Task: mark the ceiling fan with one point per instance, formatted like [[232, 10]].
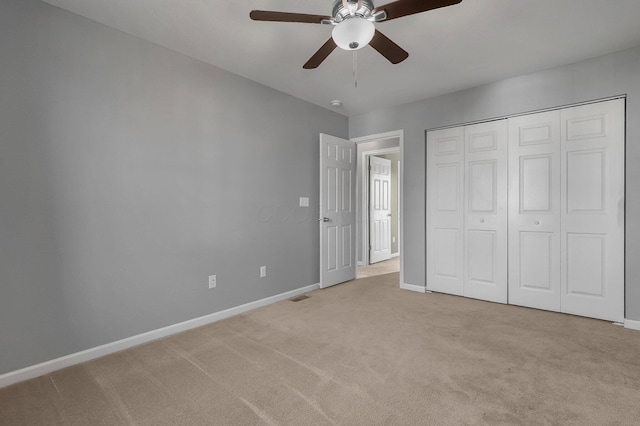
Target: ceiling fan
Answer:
[[353, 25]]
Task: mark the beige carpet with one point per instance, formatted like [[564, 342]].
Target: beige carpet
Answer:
[[361, 353], [379, 268]]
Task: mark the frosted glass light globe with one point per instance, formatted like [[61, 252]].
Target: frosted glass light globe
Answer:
[[353, 33]]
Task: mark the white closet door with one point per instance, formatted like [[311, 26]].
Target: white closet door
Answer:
[[534, 210], [445, 210], [485, 236], [592, 245]]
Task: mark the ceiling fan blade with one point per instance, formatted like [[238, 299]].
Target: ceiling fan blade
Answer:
[[320, 55], [265, 15], [394, 53], [402, 8]]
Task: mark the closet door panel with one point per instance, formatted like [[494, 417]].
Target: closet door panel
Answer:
[[445, 213], [536, 175], [481, 257], [592, 243], [446, 256], [482, 188], [485, 236], [534, 210], [537, 263]]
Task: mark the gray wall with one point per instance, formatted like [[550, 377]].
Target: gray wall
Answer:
[[128, 174], [601, 77]]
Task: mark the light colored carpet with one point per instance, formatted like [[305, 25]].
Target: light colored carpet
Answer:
[[361, 353], [379, 268]]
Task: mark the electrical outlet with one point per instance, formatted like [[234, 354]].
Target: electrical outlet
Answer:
[[304, 201], [212, 281], [263, 271]]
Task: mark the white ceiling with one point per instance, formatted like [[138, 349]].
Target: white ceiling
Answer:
[[457, 47]]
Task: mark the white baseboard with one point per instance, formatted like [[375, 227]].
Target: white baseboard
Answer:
[[413, 287], [632, 324], [109, 348]]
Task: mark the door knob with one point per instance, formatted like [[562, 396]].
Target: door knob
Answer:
[[481, 220], [324, 219], [537, 222]]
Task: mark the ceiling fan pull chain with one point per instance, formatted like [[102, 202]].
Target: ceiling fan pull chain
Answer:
[[355, 68]]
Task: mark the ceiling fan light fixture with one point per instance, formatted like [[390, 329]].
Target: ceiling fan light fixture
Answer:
[[353, 26], [353, 33]]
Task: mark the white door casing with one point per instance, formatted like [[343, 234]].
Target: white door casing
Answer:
[[534, 210], [337, 210], [445, 210], [592, 212], [485, 222], [379, 209]]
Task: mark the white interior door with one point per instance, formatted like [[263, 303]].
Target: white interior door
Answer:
[[445, 210], [534, 210], [592, 243], [485, 236], [337, 210], [379, 209]]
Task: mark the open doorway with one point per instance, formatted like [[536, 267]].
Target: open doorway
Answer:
[[379, 229], [383, 207]]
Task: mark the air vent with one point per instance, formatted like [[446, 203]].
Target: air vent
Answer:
[[299, 298]]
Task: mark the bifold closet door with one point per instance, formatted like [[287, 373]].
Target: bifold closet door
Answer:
[[485, 221], [565, 227], [445, 210], [534, 210], [566, 210], [592, 243], [467, 211]]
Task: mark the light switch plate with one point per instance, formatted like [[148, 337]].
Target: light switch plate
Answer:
[[304, 201]]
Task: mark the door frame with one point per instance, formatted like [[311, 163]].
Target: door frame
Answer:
[[362, 197]]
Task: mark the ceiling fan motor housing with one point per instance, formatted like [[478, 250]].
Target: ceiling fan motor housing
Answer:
[[340, 12]]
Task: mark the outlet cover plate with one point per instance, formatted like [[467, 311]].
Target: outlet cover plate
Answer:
[[212, 281]]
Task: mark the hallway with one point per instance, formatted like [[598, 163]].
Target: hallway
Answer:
[[380, 268]]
